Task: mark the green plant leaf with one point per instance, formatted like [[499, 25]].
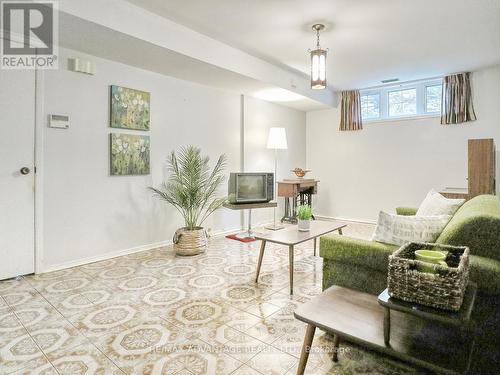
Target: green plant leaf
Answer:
[[191, 186], [304, 212]]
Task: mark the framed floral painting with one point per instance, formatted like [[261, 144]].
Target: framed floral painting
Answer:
[[129, 108], [129, 154]]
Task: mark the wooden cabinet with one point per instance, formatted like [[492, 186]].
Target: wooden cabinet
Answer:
[[481, 167], [455, 193], [481, 171]]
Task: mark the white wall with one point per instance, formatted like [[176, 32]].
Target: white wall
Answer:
[[395, 163], [259, 117], [88, 214]]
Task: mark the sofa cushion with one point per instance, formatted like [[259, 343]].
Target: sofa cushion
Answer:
[[401, 229], [435, 204], [483, 271], [407, 211], [353, 276], [374, 255], [476, 225]]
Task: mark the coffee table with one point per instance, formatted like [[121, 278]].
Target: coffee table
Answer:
[[291, 236]]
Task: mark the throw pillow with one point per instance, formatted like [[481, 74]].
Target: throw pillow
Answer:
[[435, 204], [400, 229]]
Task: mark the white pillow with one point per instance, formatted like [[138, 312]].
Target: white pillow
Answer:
[[400, 229], [435, 204]]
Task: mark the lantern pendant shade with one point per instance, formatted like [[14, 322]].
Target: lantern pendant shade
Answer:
[[318, 69], [318, 61]]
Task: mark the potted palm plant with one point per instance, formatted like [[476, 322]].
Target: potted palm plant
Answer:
[[192, 189], [304, 215]]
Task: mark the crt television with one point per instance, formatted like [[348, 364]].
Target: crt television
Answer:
[[251, 187]]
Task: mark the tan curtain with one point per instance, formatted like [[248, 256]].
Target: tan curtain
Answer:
[[350, 117], [457, 104]]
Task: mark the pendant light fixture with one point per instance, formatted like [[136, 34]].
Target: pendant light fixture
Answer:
[[318, 61]]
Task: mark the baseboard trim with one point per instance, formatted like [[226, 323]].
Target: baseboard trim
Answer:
[[119, 253], [331, 218]]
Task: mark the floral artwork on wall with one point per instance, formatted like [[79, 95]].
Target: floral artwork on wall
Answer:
[[129, 154], [130, 109]]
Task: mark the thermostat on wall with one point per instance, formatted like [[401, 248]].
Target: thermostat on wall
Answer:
[[59, 121]]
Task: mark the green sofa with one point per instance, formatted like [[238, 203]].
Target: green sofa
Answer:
[[362, 264]]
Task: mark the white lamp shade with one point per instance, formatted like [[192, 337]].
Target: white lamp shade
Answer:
[[277, 139]]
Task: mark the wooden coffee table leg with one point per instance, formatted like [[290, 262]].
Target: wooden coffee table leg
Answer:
[[306, 347], [261, 255], [387, 326], [336, 341], [290, 260]]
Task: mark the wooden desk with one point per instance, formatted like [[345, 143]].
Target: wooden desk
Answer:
[[300, 191]]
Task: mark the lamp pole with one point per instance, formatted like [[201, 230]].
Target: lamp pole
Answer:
[[275, 186], [275, 226], [276, 140]]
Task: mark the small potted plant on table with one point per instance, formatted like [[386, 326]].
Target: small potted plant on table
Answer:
[[192, 188], [304, 215]]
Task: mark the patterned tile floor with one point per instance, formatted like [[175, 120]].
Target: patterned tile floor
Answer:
[[154, 313]]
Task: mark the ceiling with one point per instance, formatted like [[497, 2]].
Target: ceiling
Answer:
[[369, 40], [97, 40]]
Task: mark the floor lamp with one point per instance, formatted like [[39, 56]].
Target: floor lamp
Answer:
[[277, 141]]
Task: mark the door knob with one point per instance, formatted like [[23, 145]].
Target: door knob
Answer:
[[25, 170]]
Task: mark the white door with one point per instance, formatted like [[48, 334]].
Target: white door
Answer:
[[17, 139]]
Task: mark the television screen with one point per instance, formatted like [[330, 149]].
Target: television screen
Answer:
[[252, 187]]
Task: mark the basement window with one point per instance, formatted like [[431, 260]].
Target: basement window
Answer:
[[370, 106], [402, 101]]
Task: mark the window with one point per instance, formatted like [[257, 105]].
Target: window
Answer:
[[401, 101], [370, 106], [433, 98]]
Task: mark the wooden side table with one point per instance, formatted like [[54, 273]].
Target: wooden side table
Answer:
[[423, 337], [460, 319]]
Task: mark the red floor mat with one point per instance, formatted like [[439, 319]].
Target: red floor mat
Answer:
[[244, 239]]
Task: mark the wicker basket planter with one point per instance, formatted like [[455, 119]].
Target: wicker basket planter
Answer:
[[444, 289], [190, 242]]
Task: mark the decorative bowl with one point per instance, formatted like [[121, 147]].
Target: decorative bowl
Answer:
[[299, 172]]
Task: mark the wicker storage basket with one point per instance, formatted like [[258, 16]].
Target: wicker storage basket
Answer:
[[444, 289], [190, 242]]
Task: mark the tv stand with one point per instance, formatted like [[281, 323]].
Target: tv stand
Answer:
[[249, 206]]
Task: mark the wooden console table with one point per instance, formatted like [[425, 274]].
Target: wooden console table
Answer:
[[299, 191]]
